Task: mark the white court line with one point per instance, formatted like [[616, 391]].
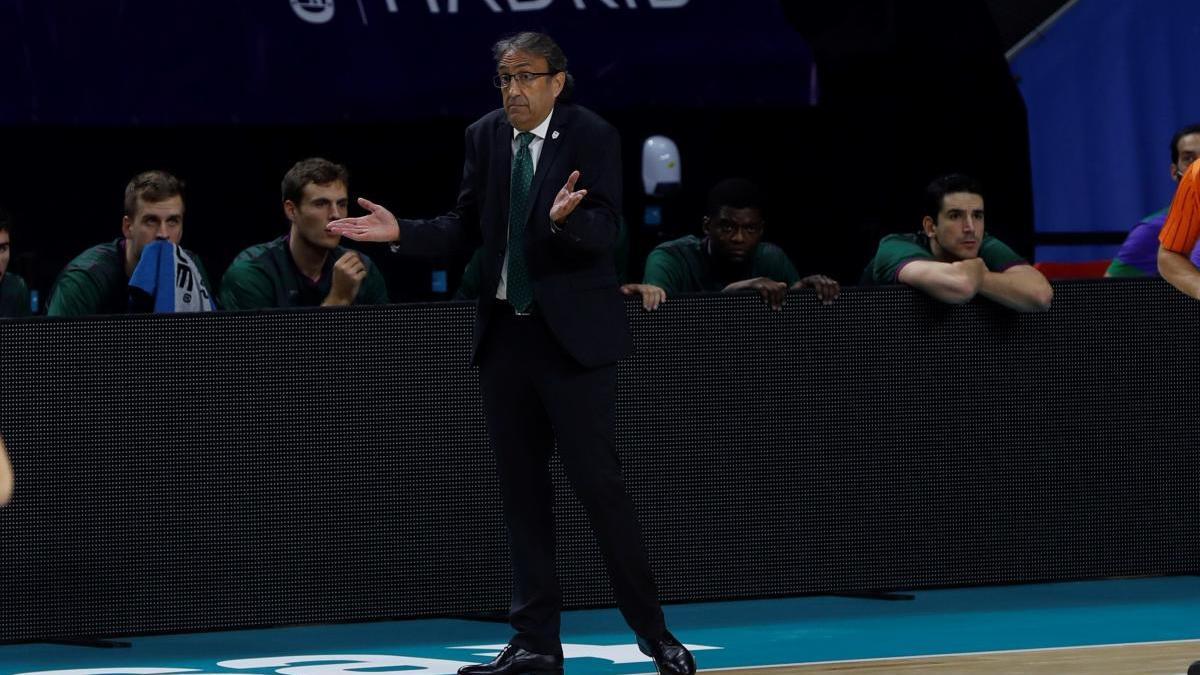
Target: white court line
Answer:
[[941, 656]]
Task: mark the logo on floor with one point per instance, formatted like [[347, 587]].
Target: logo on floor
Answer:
[[361, 664]]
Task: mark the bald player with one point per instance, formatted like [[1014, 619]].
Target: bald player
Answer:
[[1179, 235]]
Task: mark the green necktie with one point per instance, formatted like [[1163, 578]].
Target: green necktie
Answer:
[[517, 286]]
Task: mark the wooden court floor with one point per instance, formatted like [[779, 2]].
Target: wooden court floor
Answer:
[[1161, 658]]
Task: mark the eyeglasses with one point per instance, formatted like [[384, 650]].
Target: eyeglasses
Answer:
[[523, 79]]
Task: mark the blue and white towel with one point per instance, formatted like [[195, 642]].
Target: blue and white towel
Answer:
[[168, 280]]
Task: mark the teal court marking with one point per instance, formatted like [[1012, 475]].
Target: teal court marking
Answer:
[[744, 634]]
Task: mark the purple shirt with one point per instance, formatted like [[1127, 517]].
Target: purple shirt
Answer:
[[1140, 249]]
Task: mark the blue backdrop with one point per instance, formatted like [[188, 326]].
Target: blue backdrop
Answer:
[[122, 62], [1105, 88]]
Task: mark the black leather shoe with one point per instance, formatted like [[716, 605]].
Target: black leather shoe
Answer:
[[670, 657], [516, 661]]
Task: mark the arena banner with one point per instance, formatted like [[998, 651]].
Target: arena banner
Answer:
[[156, 62], [1101, 166]]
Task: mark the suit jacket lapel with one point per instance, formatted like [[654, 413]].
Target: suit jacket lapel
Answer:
[[502, 168], [555, 135]]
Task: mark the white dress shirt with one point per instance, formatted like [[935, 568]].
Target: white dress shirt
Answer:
[[535, 151]]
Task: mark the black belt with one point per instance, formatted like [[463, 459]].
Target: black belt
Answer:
[[507, 308]]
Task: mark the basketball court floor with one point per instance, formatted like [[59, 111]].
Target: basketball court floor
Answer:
[[1134, 626]]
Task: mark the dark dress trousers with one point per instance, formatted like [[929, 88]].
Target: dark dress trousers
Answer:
[[552, 375]]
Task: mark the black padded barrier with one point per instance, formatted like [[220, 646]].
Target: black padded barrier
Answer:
[[181, 473]]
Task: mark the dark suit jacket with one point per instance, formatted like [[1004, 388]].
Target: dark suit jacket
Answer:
[[574, 276]]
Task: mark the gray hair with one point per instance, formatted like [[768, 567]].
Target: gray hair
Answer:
[[538, 44]]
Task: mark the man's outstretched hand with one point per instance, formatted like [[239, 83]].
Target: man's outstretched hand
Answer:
[[566, 200], [378, 225]]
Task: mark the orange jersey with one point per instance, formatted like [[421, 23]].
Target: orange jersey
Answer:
[[1182, 228]]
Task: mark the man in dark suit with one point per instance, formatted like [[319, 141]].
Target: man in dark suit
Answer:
[[550, 329]]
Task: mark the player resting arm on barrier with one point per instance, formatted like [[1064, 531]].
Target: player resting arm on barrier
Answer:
[[953, 260], [731, 257]]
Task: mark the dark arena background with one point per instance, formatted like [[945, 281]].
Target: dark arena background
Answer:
[[815, 101]]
